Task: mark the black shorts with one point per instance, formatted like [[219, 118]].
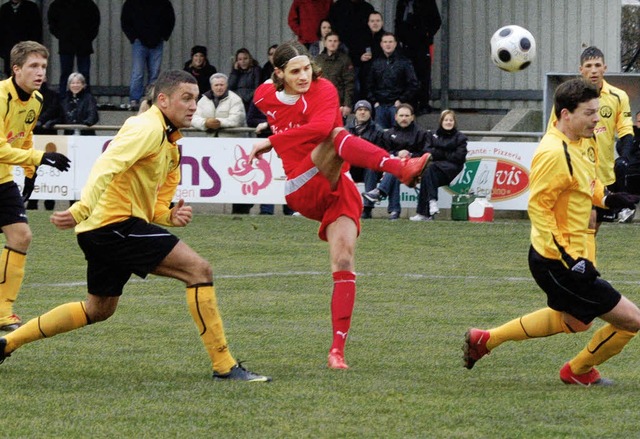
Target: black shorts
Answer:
[[606, 215], [583, 300], [117, 251], [11, 205]]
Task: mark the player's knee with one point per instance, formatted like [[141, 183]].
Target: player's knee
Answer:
[[336, 131], [100, 314], [202, 270], [20, 241]]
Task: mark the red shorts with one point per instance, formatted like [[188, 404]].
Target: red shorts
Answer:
[[310, 195]]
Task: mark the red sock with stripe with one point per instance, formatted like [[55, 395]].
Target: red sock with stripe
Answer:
[[359, 152], [342, 302]]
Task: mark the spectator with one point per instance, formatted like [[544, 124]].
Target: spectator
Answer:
[[267, 68], [147, 99], [403, 140], [391, 81], [75, 24], [627, 170], [364, 126], [79, 107], [417, 22], [147, 24], [317, 47], [218, 107], [200, 68], [337, 68], [20, 20], [370, 49], [448, 149], [50, 115], [304, 18], [245, 76], [349, 20]]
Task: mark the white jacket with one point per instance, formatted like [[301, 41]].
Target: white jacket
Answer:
[[230, 112]]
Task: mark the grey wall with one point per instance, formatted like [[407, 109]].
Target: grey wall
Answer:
[[561, 27]]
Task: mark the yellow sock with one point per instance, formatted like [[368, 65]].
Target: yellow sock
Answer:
[[606, 342], [12, 272], [541, 323], [591, 245], [64, 318], [204, 310]]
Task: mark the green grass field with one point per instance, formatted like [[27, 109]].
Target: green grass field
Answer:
[[144, 373]]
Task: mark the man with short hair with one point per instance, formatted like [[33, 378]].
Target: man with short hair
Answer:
[[391, 82], [563, 187], [20, 106], [219, 107], [131, 186], [337, 67]]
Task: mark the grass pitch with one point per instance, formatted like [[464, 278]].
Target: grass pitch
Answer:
[[144, 373]]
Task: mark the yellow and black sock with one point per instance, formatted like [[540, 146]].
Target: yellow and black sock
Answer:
[[606, 342], [203, 306], [541, 323], [64, 318], [12, 264]]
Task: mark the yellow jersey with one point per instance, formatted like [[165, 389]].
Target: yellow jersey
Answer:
[[16, 132], [563, 186], [615, 121], [136, 176]]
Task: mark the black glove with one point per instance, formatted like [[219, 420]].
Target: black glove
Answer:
[[27, 188], [583, 270], [57, 160], [621, 200]]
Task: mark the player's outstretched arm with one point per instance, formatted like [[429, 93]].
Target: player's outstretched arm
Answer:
[[180, 214], [260, 148], [63, 220]]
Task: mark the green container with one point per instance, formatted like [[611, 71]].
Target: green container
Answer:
[[460, 207]]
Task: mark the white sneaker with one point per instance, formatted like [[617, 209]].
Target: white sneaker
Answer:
[[419, 217], [626, 215], [433, 207]]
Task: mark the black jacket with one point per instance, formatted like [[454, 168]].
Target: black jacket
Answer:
[[150, 21], [417, 29], [51, 113], [411, 138], [81, 109], [391, 78], [369, 131], [349, 20], [202, 75], [24, 24], [448, 150], [75, 24]]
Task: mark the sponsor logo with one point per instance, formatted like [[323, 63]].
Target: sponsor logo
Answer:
[[252, 176], [497, 178]]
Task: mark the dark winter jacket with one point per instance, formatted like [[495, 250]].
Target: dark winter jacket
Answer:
[[75, 24], [391, 78], [150, 21], [244, 83], [369, 131], [411, 138], [23, 24], [202, 75], [418, 27], [448, 150], [81, 109], [349, 20], [51, 113]]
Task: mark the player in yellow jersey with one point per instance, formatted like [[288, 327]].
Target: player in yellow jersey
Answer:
[[130, 187], [563, 188], [20, 105], [615, 122]]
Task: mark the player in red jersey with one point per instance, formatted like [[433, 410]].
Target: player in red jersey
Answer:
[[303, 112]]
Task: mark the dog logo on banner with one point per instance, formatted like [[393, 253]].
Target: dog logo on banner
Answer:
[[253, 177]]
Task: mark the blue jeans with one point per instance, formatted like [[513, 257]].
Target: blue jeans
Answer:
[[144, 58], [391, 186], [385, 115], [66, 68]]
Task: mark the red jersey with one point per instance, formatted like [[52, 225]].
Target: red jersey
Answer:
[[301, 125]]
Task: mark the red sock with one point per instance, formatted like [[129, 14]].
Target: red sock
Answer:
[[342, 301], [359, 152]]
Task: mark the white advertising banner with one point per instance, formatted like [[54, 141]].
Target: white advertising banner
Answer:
[[215, 170]]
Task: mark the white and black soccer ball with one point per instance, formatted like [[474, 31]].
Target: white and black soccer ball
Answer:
[[513, 48]]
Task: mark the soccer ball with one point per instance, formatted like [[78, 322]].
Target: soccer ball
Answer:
[[513, 48]]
